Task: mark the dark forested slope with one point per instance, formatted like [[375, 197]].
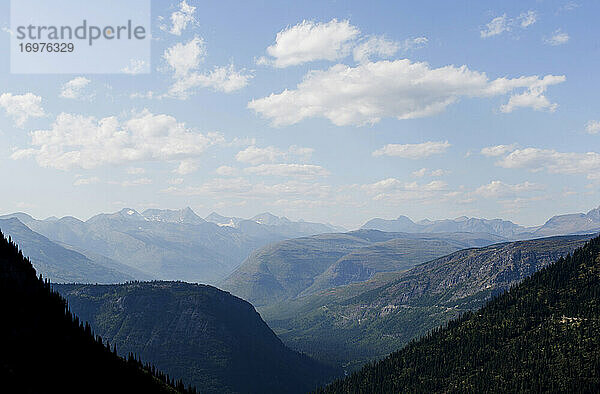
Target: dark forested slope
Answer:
[[205, 336], [45, 350], [541, 336]]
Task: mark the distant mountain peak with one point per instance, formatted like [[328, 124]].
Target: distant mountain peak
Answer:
[[129, 212], [268, 218], [23, 217], [184, 215]]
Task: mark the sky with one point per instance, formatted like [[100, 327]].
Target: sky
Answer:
[[325, 111]]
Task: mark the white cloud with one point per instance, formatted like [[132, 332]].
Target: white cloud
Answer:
[[369, 92], [288, 170], [184, 60], [136, 66], [394, 190], [242, 188], [497, 150], [496, 26], [593, 127], [559, 37], [137, 182], [496, 189], [180, 19], [75, 88], [86, 181], [226, 171], [535, 159], [186, 167], [426, 172], [415, 43], [534, 97], [143, 95], [255, 155], [413, 151], [22, 107], [503, 24], [528, 18], [222, 79], [86, 142], [376, 45], [438, 172], [419, 173], [309, 41]]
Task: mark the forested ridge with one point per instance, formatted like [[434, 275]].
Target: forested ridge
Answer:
[[197, 333], [45, 348], [542, 335]]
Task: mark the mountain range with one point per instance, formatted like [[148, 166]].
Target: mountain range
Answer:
[[300, 266], [579, 223], [62, 265], [350, 325], [180, 245], [541, 336], [164, 244]]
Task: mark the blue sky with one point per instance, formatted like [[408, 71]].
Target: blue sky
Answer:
[[327, 111]]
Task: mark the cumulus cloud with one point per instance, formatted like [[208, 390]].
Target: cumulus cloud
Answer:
[[376, 45], [497, 150], [496, 26], [392, 189], [534, 97], [552, 161], [186, 166], [136, 66], [255, 155], [22, 107], [243, 188], [87, 142], [420, 173], [136, 182], [86, 181], [184, 60], [593, 127], [503, 24], [413, 151], [402, 89], [226, 171], [222, 79], [559, 37], [288, 170], [75, 88], [180, 19], [309, 41], [438, 172], [527, 18], [496, 189]]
